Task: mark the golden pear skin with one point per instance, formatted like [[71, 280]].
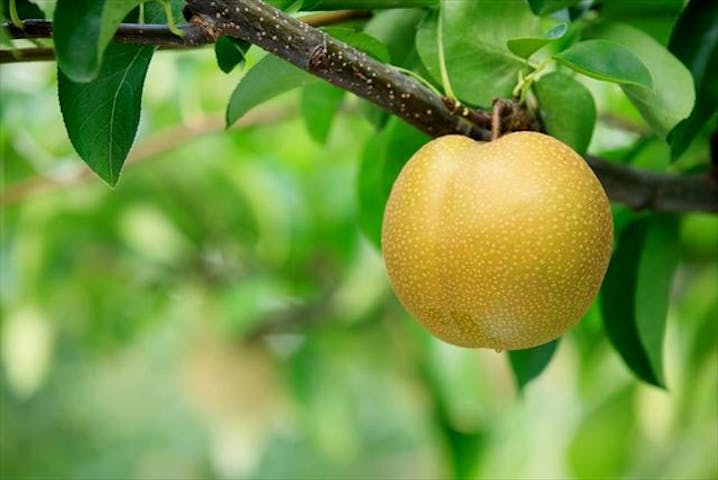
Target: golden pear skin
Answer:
[[500, 245]]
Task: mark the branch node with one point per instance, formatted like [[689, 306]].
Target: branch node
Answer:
[[210, 30], [511, 116], [318, 56]]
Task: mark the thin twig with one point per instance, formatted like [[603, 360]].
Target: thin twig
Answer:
[[150, 147], [619, 123], [147, 34], [27, 55], [161, 36], [141, 34], [332, 18]]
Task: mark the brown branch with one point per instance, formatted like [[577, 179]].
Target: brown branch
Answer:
[[334, 61], [346, 67], [161, 36], [27, 55], [664, 192], [140, 34]]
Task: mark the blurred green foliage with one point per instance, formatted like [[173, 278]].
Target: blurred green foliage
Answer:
[[220, 315]]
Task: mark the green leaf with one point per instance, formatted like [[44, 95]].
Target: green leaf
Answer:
[[606, 60], [528, 364], [371, 4], [5, 38], [362, 41], [542, 7], [695, 42], [25, 9], [371, 188], [82, 29], [450, 376], [282, 4], [319, 105], [375, 115], [654, 17], [673, 95], [384, 156], [655, 274], [635, 293], [567, 109], [270, 77], [101, 116], [618, 302], [230, 52], [525, 47], [310, 4], [396, 29], [480, 65]]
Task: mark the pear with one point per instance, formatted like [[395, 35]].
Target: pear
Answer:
[[499, 245]]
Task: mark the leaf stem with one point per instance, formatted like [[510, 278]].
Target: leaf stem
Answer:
[[418, 77], [171, 25], [448, 91], [14, 17], [524, 83], [141, 19]]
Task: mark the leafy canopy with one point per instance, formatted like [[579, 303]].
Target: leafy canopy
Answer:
[[560, 56]]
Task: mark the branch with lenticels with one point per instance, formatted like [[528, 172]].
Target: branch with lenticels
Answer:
[[312, 50], [160, 35], [342, 65], [336, 62]]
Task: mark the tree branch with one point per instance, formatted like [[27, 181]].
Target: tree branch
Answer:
[[145, 34], [346, 67], [161, 36], [336, 62], [664, 192], [27, 55]]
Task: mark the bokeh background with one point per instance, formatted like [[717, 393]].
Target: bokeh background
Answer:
[[220, 315]]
